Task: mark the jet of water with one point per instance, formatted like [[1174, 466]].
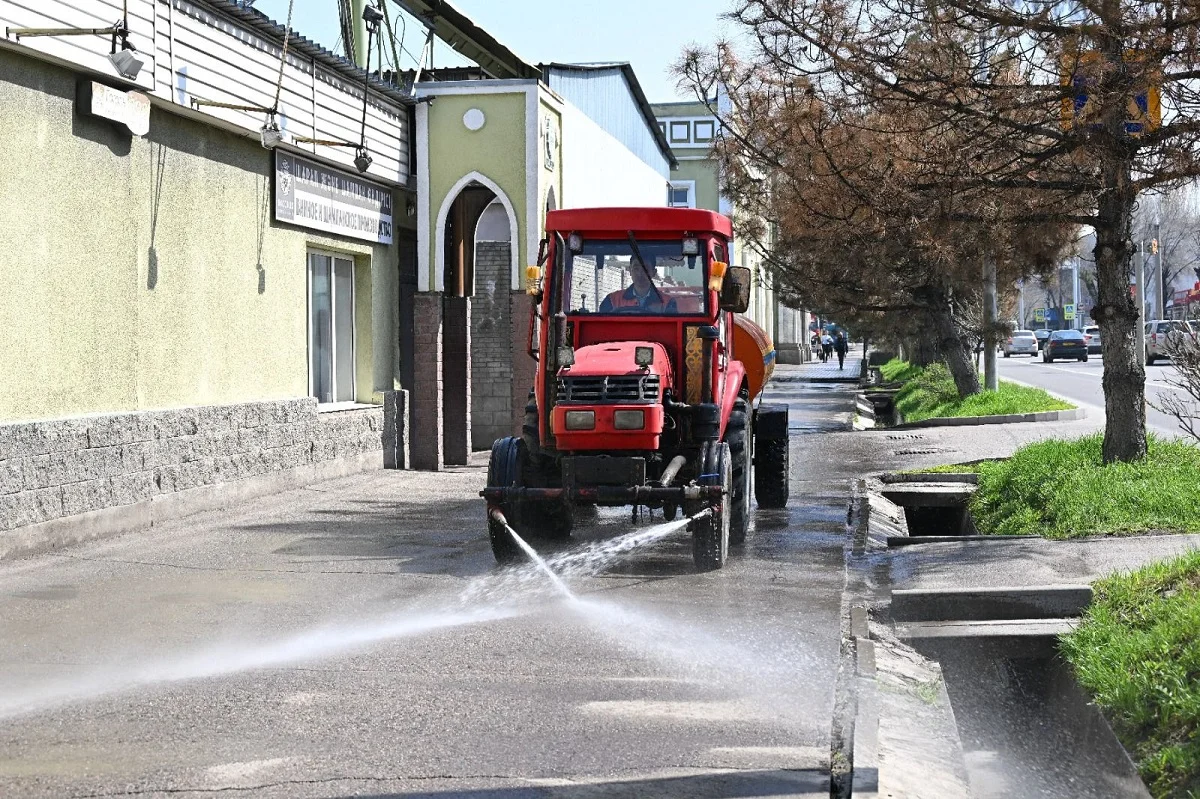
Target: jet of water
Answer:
[[541, 564]]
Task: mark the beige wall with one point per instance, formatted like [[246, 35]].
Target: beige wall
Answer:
[[131, 265]]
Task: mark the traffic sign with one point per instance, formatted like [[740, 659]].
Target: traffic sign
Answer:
[[1068, 312], [1050, 314], [1039, 314]]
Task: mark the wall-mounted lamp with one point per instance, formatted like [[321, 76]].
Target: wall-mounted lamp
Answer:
[[271, 135], [362, 161], [124, 60]]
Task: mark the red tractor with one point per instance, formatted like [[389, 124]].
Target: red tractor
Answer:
[[646, 384]]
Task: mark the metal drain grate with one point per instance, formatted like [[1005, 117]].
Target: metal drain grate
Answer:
[[922, 451], [906, 437]]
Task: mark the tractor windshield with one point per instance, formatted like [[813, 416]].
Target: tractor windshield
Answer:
[[608, 277]]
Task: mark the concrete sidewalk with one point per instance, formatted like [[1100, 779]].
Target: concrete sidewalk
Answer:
[[827, 372]]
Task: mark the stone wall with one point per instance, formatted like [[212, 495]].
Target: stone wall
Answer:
[[55, 469], [491, 350], [426, 395]]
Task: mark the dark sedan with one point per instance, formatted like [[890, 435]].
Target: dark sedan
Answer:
[[1065, 344]]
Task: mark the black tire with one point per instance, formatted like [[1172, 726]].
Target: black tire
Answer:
[[710, 535], [1149, 358], [771, 467], [505, 470], [739, 458], [510, 465], [1006, 354], [1083, 359], [550, 521]]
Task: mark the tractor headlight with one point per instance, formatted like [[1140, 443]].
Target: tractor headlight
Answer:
[[581, 420], [629, 420]]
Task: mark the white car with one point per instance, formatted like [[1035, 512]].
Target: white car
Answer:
[[1091, 335], [1159, 332], [1020, 342]]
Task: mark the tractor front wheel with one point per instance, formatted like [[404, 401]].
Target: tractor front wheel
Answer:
[[511, 466], [710, 535]]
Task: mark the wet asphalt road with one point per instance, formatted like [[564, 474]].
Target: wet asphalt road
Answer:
[[356, 639], [1081, 384]]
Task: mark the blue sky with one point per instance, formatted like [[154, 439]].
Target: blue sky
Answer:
[[650, 34]]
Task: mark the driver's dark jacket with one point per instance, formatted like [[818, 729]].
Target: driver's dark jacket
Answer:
[[629, 299]]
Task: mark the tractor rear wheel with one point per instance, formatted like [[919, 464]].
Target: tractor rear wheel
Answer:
[[710, 535], [739, 457]]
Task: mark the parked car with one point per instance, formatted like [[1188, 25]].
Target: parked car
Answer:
[[1021, 342], [1091, 335], [1065, 344], [1041, 336], [1161, 335]]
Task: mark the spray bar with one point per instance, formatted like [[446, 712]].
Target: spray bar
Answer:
[[625, 494]]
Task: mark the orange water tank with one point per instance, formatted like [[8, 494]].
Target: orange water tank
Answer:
[[752, 346]]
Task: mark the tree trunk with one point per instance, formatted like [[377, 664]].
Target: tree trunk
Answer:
[[954, 348], [1118, 317]]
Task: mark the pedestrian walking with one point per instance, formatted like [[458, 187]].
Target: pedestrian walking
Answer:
[[841, 345], [826, 346]]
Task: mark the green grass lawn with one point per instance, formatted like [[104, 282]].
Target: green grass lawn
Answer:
[[1137, 651], [1062, 489], [929, 393]]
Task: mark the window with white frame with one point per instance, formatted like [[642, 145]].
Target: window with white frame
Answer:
[[681, 194], [330, 327]]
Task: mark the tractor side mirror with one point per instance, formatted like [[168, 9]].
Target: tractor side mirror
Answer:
[[735, 291]]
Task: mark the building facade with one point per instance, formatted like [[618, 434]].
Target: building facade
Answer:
[[691, 130], [187, 307]]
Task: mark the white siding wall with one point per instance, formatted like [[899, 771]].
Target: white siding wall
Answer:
[[192, 53], [598, 170]]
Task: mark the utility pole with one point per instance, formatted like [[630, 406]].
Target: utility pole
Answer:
[[360, 33], [1139, 292], [1074, 290], [1160, 305], [1021, 304], [990, 380]]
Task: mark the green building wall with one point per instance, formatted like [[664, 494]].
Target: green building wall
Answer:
[[146, 273]]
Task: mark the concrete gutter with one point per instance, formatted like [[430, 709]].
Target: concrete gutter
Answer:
[[1008, 418], [990, 604], [894, 732]]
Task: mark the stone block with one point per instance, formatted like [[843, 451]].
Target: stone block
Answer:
[[30, 507], [93, 464], [115, 429], [86, 496], [126, 489], [46, 471], [216, 418], [174, 423], [12, 475]]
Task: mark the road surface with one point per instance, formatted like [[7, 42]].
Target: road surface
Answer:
[[1081, 383], [356, 638]]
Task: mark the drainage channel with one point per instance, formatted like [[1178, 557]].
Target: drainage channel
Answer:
[[1025, 726]]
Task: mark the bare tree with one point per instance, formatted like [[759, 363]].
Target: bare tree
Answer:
[[1048, 96], [1184, 405]]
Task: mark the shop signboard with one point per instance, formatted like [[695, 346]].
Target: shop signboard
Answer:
[[319, 197]]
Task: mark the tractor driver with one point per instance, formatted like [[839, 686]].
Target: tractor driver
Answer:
[[642, 296]]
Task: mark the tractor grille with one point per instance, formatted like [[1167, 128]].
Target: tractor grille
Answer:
[[612, 389]]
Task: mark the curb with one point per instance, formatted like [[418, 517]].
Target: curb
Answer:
[[1008, 418]]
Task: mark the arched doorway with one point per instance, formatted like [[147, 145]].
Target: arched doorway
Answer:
[[475, 275]]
